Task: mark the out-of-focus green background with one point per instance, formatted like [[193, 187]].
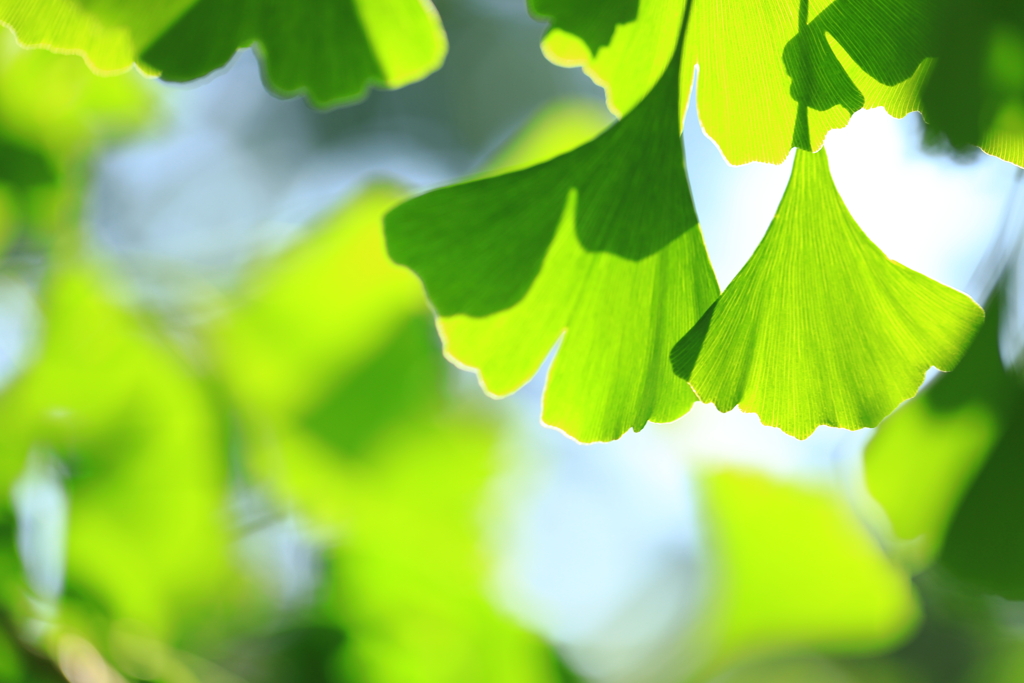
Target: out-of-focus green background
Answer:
[[234, 451]]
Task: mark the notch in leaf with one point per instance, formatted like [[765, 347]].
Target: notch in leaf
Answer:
[[886, 38], [601, 244], [820, 328], [592, 20]]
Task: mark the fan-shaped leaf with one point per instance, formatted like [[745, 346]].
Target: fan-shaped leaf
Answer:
[[820, 328], [620, 267]]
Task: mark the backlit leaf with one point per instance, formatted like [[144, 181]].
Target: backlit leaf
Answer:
[[599, 247], [820, 328]]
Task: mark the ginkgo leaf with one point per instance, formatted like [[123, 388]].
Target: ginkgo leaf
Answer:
[[842, 595], [601, 244], [331, 50], [593, 21], [820, 328]]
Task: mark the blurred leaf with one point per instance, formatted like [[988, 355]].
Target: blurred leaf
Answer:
[[598, 247], [820, 328], [594, 22], [306, 653], [976, 90], [407, 571], [395, 385], [985, 543], [924, 457], [279, 351], [330, 50], [23, 166], [98, 31], [788, 671], [795, 570], [56, 104], [147, 529], [412, 578]]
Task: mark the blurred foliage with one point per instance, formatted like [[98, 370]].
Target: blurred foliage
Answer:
[[967, 427], [313, 409]]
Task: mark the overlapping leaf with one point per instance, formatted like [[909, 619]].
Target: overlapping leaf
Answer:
[[594, 22], [331, 50], [820, 327], [946, 467], [759, 61], [599, 247]]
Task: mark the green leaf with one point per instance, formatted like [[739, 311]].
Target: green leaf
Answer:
[[22, 166], [599, 247], [594, 22], [302, 355], [820, 328], [54, 115], [330, 50], [795, 570]]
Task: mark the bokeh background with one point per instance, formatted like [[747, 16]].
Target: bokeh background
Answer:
[[235, 452]]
